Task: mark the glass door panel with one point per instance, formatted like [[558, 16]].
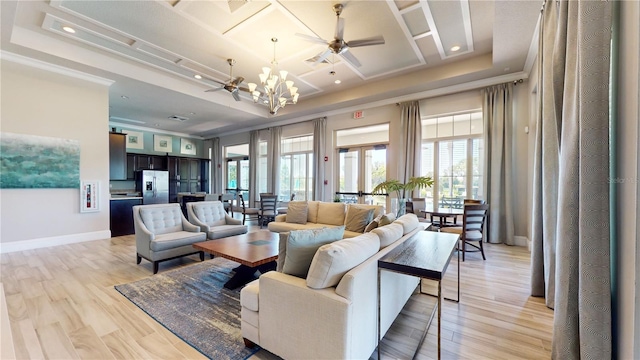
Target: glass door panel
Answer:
[[361, 169]]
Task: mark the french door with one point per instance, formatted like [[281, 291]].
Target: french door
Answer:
[[237, 176], [360, 169]]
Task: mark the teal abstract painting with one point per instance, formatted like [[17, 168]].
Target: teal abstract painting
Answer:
[[29, 161]]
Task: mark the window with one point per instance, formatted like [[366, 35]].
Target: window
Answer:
[[296, 168], [453, 155]]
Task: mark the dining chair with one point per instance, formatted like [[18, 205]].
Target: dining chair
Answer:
[[472, 230], [228, 200], [267, 211], [248, 213]]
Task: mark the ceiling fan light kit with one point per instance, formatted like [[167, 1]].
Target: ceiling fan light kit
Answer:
[[277, 91]]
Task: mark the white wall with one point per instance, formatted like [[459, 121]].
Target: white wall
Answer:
[[628, 181], [40, 102]]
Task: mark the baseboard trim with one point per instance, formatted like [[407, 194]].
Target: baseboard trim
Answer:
[[521, 241], [53, 241]]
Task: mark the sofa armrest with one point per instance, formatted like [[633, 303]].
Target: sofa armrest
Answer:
[[288, 307], [187, 226], [231, 221], [281, 218]]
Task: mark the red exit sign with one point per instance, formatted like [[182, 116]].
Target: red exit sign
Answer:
[[358, 114]]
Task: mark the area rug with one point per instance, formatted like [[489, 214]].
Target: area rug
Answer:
[[193, 304]]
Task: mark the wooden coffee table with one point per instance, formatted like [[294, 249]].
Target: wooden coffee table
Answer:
[[255, 251]]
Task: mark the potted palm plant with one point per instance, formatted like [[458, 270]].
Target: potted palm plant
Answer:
[[402, 190]]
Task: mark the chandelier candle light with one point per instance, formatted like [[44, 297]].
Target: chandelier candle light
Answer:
[[278, 91]]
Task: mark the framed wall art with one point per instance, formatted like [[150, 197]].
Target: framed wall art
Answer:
[[162, 143], [135, 140], [89, 191], [187, 147], [36, 162]]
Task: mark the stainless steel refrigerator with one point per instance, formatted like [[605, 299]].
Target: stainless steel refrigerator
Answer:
[[153, 185]]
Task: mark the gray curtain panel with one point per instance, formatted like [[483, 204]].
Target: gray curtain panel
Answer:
[[254, 155], [497, 110], [572, 145], [216, 167], [319, 152], [273, 160], [411, 149]]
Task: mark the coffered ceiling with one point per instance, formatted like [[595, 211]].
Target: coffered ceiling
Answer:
[[153, 50]]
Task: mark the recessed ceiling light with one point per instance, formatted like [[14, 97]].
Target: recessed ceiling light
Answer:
[[455, 48], [337, 81], [192, 113], [156, 125], [125, 97], [69, 29], [197, 76]]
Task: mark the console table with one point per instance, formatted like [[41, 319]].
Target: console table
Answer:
[[426, 255]]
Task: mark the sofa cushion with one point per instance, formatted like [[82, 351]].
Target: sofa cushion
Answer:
[[209, 212], [217, 232], [303, 244], [378, 210], [162, 220], [333, 260], [297, 212], [282, 226], [357, 218], [312, 211], [388, 234], [176, 239], [387, 219], [408, 222]]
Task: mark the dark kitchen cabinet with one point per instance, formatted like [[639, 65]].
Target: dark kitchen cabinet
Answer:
[[121, 216], [117, 156], [137, 162]]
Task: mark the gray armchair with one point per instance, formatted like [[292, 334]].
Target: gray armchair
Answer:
[[213, 220], [163, 233]]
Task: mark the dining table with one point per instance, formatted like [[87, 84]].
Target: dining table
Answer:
[[443, 214]]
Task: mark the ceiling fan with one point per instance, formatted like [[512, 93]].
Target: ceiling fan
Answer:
[[338, 45], [232, 85]]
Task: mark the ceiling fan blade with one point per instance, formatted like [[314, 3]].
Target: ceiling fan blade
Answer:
[[244, 89], [378, 40], [347, 55], [236, 95], [322, 56], [238, 80], [214, 89], [339, 28], [312, 39]]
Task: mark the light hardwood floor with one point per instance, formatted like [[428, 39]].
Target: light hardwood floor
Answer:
[[62, 305]]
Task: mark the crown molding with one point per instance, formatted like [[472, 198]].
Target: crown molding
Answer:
[[42, 65]]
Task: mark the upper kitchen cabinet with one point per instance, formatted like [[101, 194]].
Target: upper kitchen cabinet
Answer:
[[117, 156]]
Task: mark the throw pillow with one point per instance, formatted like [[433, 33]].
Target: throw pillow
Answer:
[[282, 250], [388, 234], [372, 225], [297, 212], [386, 219], [357, 218], [331, 213], [333, 260], [303, 244]]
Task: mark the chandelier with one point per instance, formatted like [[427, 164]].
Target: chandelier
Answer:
[[276, 91]]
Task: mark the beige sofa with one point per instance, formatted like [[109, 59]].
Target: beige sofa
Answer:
[[332, 314], [324, 214]]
